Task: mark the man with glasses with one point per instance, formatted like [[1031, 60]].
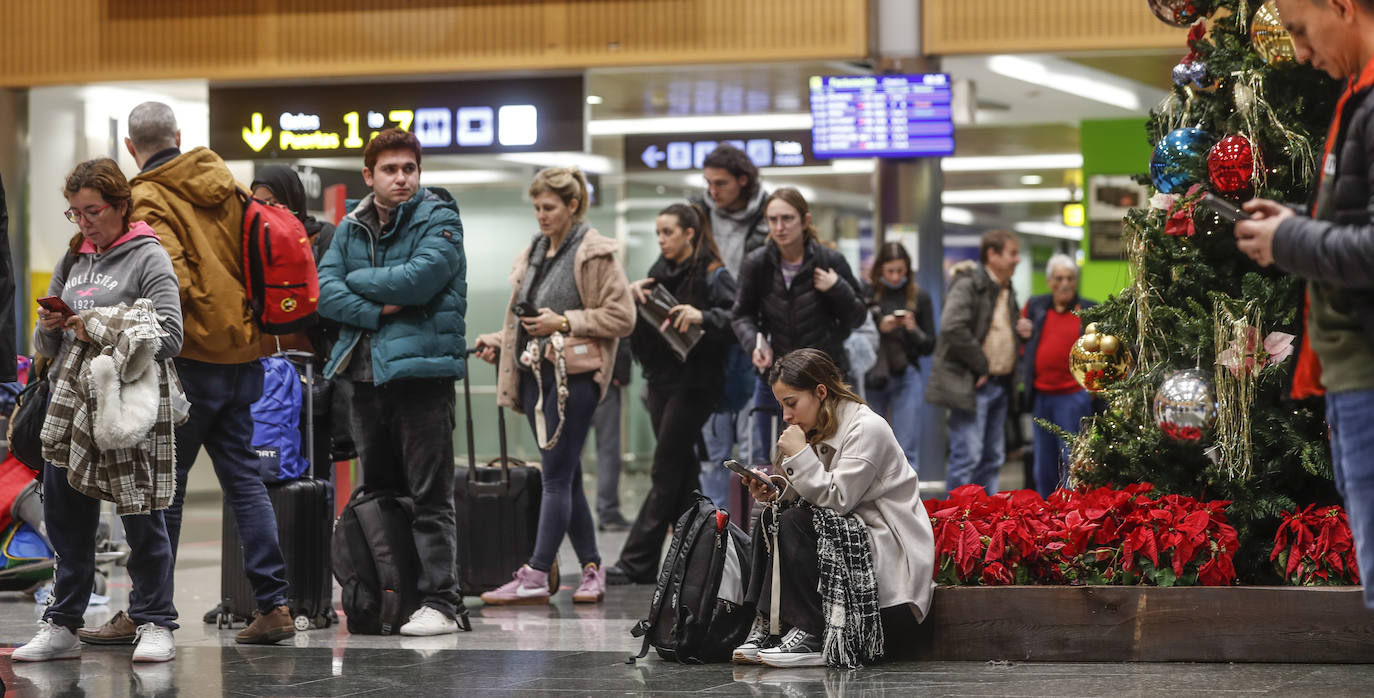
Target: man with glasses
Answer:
[[191, 200]]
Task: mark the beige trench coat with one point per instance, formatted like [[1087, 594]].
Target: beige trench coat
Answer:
[[862, 469]]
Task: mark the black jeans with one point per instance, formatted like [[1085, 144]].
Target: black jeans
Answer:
[[678, 413], [404, 432], [221, 395], [72, 519], [564, 509], [800, 604]]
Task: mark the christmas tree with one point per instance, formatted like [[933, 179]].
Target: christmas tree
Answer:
[[1195, 358]]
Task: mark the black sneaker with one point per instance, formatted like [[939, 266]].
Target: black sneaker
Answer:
[[616, 576], [758, 639], [613, 524], [798, 648]]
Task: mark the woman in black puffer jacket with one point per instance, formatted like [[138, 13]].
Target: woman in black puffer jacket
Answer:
[[794, 293], [682, 393]]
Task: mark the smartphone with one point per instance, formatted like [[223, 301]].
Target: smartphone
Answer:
[[749, 473], [1224, 208], [899, 313], [53, 304], [525, 309]]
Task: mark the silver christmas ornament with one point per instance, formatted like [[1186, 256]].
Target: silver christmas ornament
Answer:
[[1185, 405]]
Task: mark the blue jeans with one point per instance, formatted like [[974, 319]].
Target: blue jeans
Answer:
[[767, 424], [1051, 455], [220, 396], [72, 520], [1350, 415], [720, 435], [564, 509], [977, 440], [902, 403]]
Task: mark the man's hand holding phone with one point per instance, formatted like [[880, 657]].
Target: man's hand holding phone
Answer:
[[1255, 235]]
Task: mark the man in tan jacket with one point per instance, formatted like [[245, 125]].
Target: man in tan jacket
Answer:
[[190, 199]]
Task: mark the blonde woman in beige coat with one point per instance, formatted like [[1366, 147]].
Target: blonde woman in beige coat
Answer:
[[568, 290], [839, 455]]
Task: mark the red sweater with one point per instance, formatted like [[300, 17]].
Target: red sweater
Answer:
[[1057, 336]]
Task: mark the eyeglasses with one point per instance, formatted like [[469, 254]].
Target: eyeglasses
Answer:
[[74, 214]]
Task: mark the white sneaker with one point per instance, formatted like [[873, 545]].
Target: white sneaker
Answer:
[[429, 621], [52, 642], [153, 644], [748, 653]]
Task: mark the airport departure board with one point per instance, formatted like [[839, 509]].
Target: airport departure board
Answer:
[[892, 116]]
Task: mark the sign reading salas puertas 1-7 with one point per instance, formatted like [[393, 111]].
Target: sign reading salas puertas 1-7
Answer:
[[472, 116]]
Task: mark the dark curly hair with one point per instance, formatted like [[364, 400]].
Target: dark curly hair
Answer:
[[735, 161]]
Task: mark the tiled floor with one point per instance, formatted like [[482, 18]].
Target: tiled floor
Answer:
[[563, 650]]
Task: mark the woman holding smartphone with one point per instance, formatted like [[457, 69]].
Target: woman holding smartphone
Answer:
[[906, 330], [842, 471], [109, 261], [570, 304]]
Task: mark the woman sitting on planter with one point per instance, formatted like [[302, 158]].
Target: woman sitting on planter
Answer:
[[852, 533]]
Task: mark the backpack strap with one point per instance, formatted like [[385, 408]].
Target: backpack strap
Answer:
[[369, 513]]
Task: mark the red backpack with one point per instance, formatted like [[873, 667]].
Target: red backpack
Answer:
[[278, 268]]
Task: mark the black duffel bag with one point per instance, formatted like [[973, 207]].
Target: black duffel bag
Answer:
[[26, 423]]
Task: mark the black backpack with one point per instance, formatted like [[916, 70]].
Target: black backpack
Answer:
[[375, 561], [689, 621]]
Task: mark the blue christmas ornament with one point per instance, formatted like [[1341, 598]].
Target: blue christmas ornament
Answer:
[[1182, 74], [1197, 74], [1181, 150]]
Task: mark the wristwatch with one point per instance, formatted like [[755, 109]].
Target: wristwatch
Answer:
[[565, 328]]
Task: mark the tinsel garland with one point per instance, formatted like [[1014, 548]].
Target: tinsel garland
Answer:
[[1235, 371]]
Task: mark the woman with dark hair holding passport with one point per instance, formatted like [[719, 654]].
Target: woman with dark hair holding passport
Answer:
[[846, 521], [682, 391]]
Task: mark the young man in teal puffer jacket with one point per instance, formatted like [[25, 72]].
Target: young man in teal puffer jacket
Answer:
[[395, 278]]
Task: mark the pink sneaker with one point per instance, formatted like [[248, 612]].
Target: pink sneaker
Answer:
[[527, 586], [593, 587]]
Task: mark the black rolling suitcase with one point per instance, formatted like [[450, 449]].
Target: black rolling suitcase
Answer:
[[305, 519], [497, 512]]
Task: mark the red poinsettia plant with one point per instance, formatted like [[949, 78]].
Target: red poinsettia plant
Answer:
[[1097, 536], [1313, 547]]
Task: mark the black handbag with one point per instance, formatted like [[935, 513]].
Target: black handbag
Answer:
[[26, 424]]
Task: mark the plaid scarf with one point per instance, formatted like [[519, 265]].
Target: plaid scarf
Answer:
[[849, 590], [137, 477]]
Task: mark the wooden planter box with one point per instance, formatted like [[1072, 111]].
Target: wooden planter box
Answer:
[[1142, 624]]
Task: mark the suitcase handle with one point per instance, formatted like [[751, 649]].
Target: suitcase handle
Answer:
[[475, 487]]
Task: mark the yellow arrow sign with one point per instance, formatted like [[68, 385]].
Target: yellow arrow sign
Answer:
[[257, 137]]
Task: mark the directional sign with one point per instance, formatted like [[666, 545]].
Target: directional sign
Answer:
[[475, 116], [685, 151]]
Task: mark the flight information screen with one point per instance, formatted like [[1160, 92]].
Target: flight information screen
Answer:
[[891, 116]]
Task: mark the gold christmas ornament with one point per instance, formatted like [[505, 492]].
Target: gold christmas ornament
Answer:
[[1109, 344], [1093, 366], [1272, 42]]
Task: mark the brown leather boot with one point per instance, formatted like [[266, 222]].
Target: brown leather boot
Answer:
[[268, 628], [119, 630]]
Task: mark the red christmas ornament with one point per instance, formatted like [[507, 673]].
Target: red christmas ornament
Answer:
[[1230, 164]]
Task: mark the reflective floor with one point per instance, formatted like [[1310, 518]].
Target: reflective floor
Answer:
[[558, 649]]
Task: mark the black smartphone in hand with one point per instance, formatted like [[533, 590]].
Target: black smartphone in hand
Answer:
[[1224, 208]]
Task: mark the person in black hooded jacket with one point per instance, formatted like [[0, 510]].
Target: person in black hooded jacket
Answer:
[[794, 293], [279, 184], [682, 392]]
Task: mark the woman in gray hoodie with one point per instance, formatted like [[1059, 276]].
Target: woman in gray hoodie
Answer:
[[110, 261]]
